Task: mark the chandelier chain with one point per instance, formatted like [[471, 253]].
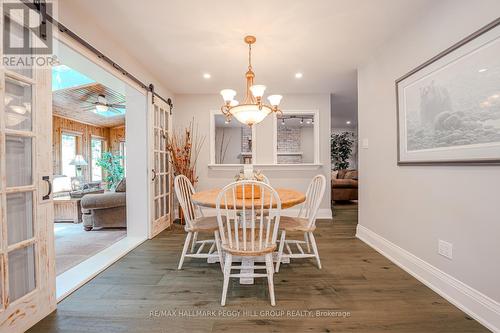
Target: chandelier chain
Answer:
[[249, 56]]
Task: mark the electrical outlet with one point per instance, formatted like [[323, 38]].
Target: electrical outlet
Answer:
[[445, 249]]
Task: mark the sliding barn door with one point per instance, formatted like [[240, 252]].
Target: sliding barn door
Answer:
[[27, 278], [160, 122]]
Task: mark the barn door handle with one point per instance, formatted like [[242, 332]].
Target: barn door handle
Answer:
[[154, 175], [47, 179]]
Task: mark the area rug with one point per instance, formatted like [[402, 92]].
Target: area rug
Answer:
[[74, 245]]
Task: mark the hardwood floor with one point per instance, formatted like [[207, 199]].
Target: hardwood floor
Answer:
[[364, 292]]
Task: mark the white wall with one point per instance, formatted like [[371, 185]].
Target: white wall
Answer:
[[136, 163], [414, 206], [199, 106]]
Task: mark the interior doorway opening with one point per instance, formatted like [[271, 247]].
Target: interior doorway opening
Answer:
[[344, 157], [93, 176]]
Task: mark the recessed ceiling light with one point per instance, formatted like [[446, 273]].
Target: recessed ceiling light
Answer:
[[299, 75], [348, 122], [207, 76], [482, 70]]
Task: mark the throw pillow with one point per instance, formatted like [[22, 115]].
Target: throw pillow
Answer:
[[351, 174]]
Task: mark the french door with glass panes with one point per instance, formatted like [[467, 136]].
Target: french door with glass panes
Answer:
[[161, 171], [27, 270]]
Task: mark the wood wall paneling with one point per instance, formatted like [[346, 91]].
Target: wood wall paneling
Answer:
[[85, 133], [116, 135]]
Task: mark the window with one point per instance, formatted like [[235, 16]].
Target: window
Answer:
[[68, 153], [231, 142], [288, 138], [297, 138], [123, 154], [96, 149]]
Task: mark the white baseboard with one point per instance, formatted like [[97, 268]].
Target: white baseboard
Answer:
[[477, 305], [323, 213]]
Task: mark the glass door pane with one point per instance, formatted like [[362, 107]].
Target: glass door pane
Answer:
[[2, 276], [19, 217], [18, 160], [17, 35], [22, 275], [17, 105]]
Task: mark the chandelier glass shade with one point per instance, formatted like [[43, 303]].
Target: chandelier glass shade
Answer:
[[252, 110]]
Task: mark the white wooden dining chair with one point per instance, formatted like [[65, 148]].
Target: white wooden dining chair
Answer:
[[247, 231], [196, 223], [305, 222]]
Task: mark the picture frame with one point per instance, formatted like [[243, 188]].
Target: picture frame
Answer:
[[448, 108]]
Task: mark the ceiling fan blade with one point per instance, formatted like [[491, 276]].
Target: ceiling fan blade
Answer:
[[87, 108], [115, 110], [116, 106]]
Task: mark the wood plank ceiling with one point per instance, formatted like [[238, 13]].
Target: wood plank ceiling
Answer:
[[77, 103]]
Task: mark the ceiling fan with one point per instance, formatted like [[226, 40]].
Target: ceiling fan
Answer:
[[102, 105]]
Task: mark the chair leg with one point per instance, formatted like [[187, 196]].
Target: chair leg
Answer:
[[185, 249], [315, 248], [227, 272], [270, 273], [280, 251], [219, 250], [193, 244], [306, 239]]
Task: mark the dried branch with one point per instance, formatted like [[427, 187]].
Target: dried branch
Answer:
[[184, 148]]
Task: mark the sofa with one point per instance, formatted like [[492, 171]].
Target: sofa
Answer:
[[344, 185], [62, 186], [106, 210]]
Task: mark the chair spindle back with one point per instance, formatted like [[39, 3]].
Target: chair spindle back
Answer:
[[252, 224], [314, 195]]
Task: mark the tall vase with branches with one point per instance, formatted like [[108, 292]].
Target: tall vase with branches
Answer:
[[184, 148]]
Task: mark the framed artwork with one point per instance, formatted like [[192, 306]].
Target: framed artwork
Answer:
[[448, 108]]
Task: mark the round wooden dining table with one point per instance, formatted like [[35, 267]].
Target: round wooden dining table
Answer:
[[288, 197]]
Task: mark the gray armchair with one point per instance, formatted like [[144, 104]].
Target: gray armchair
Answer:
[[106, 210]]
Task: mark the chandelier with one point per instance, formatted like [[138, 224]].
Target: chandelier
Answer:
[[251, 111]]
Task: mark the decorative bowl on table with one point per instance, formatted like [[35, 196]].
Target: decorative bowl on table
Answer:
[[247, 193]]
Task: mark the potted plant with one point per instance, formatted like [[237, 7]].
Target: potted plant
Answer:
[[341, 149], [113, 168]]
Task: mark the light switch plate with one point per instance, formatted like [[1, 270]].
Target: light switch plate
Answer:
[[364, 143]]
